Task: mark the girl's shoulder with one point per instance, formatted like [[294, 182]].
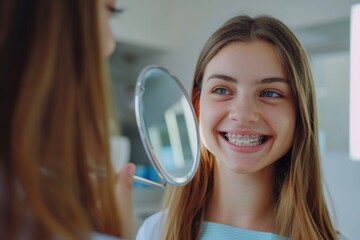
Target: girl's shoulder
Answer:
[[152, 227]]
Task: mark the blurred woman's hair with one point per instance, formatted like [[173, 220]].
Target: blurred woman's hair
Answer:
[[54, 115]]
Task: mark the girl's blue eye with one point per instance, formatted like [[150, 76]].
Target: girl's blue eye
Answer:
[[222, 91], [270, 94]]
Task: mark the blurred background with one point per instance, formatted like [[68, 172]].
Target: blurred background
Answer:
[[171, 33]]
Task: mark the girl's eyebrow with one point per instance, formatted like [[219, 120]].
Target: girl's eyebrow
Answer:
[[260, 81], [274, 79], [222, 76]]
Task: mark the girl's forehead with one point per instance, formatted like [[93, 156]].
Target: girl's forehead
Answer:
[[255, 59]]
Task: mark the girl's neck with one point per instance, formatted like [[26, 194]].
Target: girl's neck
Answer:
[[242, 200]]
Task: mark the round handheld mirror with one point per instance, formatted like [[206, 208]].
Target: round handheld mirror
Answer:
[[167, 125]]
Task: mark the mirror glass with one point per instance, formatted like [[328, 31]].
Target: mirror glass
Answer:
[[167, 125]]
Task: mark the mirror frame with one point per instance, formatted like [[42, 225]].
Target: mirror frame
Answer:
[[163, 174]]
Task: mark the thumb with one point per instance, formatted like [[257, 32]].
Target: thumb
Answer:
[[124, 198], [126, 175]]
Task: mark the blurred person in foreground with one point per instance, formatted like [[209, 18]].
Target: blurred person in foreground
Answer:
[[56, 177]]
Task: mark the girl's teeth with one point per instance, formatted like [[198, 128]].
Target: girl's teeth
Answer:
[[245, 140]]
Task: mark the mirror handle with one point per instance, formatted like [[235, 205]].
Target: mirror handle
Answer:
[[149, 182]]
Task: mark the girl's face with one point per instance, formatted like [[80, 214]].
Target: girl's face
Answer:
[[247, 111]]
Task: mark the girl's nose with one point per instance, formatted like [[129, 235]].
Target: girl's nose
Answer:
[[244, 111]]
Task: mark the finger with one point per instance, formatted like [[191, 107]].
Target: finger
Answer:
[[124, 195], [126, 175]]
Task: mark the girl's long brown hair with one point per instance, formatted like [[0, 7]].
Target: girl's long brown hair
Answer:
[[301, 211], [54, 116]]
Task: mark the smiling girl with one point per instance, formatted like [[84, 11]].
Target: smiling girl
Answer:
[[260, 175]]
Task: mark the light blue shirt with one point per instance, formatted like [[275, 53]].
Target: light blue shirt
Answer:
[[152, 229], [215, 231]]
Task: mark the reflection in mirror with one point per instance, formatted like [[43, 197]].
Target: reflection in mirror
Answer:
[[167, 126]]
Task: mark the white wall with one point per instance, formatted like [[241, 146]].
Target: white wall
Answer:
[[169, 23], [332, 79], [143, 22], [342, 177]]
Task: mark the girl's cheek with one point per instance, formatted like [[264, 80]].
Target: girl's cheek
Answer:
[[107, 38], [212, 112], [108, 41]]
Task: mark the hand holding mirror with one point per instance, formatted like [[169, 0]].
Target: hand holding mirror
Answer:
[[167, 126]]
